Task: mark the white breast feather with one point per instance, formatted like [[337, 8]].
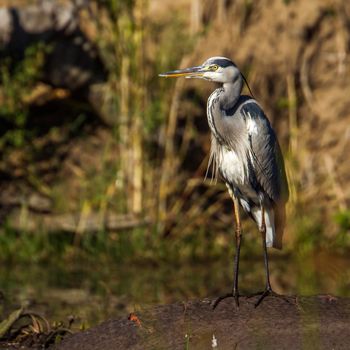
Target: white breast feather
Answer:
[[231, 167], [235, 172]]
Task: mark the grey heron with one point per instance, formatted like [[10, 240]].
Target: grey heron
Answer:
[[246, 154]]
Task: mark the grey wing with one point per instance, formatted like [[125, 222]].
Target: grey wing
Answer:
[[265, 153]]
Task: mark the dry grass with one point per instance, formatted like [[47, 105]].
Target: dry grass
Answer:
[[295, 55]]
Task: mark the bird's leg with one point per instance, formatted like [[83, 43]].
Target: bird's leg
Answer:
[[262, 230], [238, 235], [268, 289]]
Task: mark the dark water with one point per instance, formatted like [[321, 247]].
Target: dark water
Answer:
[[95, 292]]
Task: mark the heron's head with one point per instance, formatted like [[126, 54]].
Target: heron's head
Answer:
[[218, 69]]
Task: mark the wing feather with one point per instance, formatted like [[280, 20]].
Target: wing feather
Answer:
[[265, 152]]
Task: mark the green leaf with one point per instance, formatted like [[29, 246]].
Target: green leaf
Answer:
[[6, 324]]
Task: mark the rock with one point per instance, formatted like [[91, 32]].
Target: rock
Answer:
[[320, 322]]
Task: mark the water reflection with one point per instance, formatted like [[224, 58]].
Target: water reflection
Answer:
[[100, 291]]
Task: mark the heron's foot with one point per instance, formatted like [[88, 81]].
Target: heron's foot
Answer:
[[267, 292], [234, 295]]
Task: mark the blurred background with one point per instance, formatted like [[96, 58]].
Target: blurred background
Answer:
[[103, 203]]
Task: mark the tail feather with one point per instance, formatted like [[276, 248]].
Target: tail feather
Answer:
[[274, 221]]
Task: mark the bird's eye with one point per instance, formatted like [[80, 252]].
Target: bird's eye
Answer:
[[214, 67]]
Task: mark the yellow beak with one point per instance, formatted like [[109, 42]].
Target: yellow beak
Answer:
[[191, 72]]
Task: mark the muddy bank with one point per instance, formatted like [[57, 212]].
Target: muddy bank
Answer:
[[301, 323]]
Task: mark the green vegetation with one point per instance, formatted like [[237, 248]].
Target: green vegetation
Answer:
[[17, 82], [341, 241]]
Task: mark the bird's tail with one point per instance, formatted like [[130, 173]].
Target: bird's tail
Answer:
[[274, 222]]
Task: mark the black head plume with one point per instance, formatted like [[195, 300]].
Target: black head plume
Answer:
[[245, 80]]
